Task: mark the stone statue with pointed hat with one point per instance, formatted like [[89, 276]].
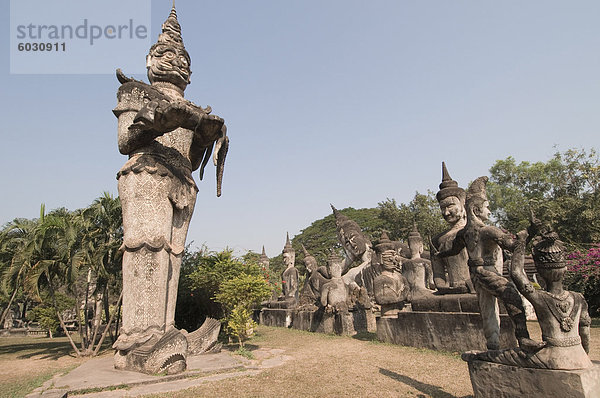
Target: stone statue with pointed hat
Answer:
[[390, 288], [166, 137], [562, 315], [417, 270], [334, 293], [263, 260], [289, 276], [310, 295], [451, 274], [484, 244]]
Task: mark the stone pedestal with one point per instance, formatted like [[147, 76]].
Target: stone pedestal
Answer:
[[504, 381], [318, 321], [448, 331], [276, 317]]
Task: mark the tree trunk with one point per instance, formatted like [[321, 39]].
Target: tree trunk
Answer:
[[117, 311], [5, 312], [62, 324]]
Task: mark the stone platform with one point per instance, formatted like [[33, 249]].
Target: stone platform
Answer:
[[318, 321], [448, 331], [98, 378], [504, 381]]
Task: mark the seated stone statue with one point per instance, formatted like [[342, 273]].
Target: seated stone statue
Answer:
[[289, 280], [391, 289], [334, 293], [417, 270], [310, 295], [562, 315]]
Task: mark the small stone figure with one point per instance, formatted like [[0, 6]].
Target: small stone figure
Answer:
[[484, 246], [451, 274], [417, 270], [334, 293], [263, 261], [562, 315], [310, 295], [391, 289], [289, 276], [166, 138]]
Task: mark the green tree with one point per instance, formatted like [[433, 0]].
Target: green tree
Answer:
[[239, 296], [563, 191], [422, 209], [321, 236]]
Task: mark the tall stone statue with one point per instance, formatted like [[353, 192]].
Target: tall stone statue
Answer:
[[289, 277], [562, 315], [484, 244], [166, 138], [451, 274], [417, 270]]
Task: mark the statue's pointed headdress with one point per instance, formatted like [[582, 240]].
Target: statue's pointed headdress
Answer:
[[288, 245], [449, 187], [170, 38], [548, 250], [384, 243], [414, 234], [477, 189]]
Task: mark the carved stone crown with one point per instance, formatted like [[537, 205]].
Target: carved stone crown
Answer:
[[414, 235], [171, 35], [449, 187], [477, 189], [548, 250], [384, 243], [333, 258], [288, 246]]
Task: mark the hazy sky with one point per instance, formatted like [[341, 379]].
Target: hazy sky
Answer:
[[339, 101]]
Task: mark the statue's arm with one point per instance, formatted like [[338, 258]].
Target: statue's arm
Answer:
[[584, 326], [505, 240], [457, 245], [517, 269]]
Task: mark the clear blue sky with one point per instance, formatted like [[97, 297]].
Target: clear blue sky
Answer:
[[340, 101]]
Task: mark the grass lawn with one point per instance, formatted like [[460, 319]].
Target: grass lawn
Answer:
[[322, 365], [26, 362]]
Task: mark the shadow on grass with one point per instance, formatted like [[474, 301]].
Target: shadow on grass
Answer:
[[427, 389], [46, 350]]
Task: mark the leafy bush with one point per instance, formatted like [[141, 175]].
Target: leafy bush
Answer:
[[238, 296], [584, 276]]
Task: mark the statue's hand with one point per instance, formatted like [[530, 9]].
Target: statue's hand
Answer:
[[171, 115]]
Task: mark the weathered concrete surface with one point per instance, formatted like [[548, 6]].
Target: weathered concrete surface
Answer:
[[449, 331], [318, 321], [279, 317], [503, 381], [98, 377]]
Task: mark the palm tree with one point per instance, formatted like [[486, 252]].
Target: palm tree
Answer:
[[15, 243]]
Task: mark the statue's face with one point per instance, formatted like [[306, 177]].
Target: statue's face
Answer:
[[452, 209], [288, 258], [170, 64], [311, 264], [415, 246], [389, 260], [335, 269], [484, 211]]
